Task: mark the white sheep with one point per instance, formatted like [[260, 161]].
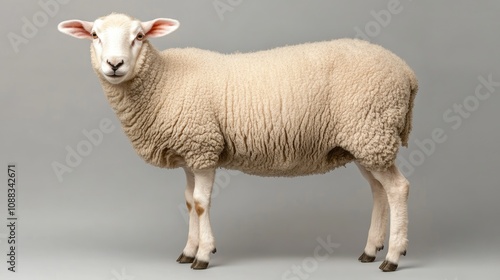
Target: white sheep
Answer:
[[288, 111]]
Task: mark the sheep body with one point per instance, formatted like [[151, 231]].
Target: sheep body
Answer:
[[288, 111]]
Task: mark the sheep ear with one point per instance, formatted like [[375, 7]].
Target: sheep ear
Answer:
[[159, 27], [76, 28]]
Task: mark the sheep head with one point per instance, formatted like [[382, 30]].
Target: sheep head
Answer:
[[117, 41]]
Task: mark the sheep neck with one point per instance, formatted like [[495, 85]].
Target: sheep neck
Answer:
[[136, 103], [136, 98]]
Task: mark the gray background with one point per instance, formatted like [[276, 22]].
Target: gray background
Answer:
[[115, 212]]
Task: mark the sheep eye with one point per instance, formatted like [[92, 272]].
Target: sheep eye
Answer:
[[94, 35], [140, 37]]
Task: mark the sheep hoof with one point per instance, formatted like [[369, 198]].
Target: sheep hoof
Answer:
[[185, 259], [199, 264], [388, 266], [364, 258], [380, 248]]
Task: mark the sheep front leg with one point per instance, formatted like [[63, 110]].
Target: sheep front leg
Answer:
[[397, 188], [203, 183], [380, 215], [189, 251]]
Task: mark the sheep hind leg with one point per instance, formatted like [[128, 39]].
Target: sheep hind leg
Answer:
[[380, 211], [397, 188], [204, 180], [191, 247]]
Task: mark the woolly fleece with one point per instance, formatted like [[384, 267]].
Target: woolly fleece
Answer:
[[288, 111]]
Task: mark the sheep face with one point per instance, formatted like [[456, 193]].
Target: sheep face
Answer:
[[117, 41]]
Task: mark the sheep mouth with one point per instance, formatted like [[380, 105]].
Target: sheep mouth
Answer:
[[114, 76]]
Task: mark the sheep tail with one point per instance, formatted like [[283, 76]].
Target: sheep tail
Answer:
[[405, 133]]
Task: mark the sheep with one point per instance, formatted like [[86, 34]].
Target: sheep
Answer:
[[289, 111]]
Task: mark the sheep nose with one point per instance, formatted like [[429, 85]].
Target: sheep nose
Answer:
[[115, 66]]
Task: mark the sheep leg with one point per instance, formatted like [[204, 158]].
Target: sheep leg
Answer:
[[380, 211], [397, 188], [191, 247], [203, 183]]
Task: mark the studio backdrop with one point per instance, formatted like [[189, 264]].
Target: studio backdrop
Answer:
[[87, 207]]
